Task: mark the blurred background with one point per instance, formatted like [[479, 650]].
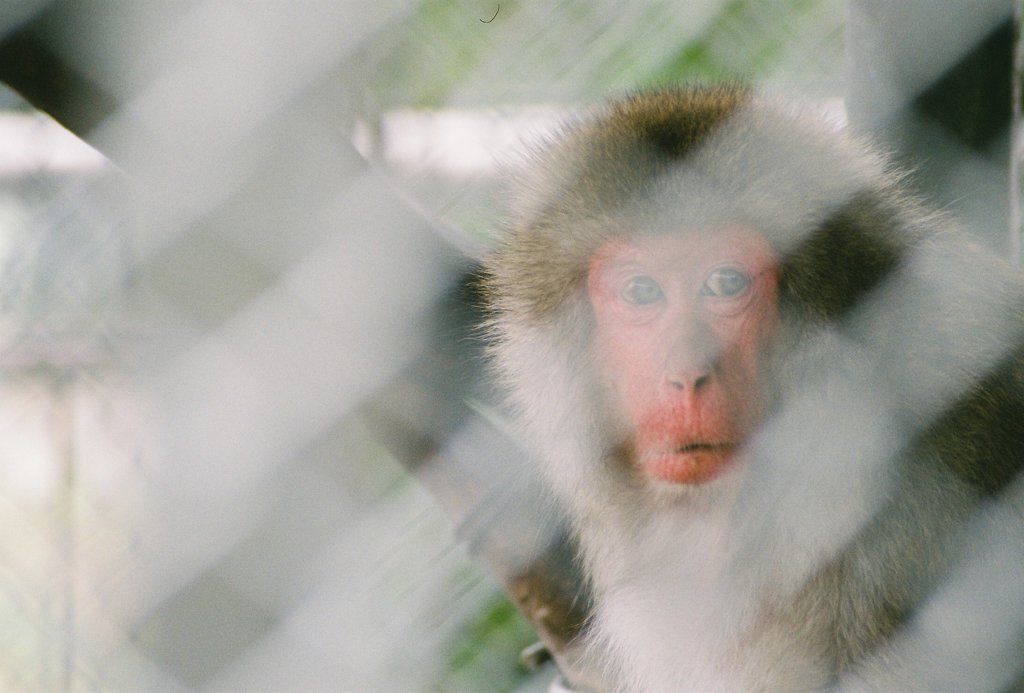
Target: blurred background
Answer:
[[246, 443]]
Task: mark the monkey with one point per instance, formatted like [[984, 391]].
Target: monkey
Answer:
[[774, 390]]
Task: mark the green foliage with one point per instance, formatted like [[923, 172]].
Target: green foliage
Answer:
[[484, 656]]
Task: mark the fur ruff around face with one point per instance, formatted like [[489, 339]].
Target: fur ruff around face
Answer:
[[894, 390]]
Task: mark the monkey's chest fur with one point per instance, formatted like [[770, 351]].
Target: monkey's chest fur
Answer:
[[698, 595]]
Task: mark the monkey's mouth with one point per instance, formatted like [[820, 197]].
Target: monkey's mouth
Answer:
[[694, 447], [691, 463]]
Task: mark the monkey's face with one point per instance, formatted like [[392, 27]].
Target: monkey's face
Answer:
[[680, 321]]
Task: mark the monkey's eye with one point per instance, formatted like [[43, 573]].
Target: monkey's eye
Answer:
[[641, 291], [725, 282]]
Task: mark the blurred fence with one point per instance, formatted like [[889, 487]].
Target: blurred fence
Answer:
[[225, 340]]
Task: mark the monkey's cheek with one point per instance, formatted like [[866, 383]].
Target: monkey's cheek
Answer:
[[691, 468]]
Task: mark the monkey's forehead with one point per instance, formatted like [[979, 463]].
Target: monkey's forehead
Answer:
[[663, 160]]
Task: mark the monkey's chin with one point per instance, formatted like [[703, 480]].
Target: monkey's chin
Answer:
[[690, 466]]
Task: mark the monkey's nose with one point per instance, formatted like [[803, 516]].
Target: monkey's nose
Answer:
[[691, 367], [691, 354]]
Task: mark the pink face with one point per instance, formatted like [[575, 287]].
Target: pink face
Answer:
[[680, 321]]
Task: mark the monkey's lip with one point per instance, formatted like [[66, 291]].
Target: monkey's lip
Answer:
[[690, 463]]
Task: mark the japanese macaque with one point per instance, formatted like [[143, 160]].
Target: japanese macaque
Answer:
[[782, 402]]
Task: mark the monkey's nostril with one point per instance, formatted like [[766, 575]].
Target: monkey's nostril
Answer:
[[683, 383]]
